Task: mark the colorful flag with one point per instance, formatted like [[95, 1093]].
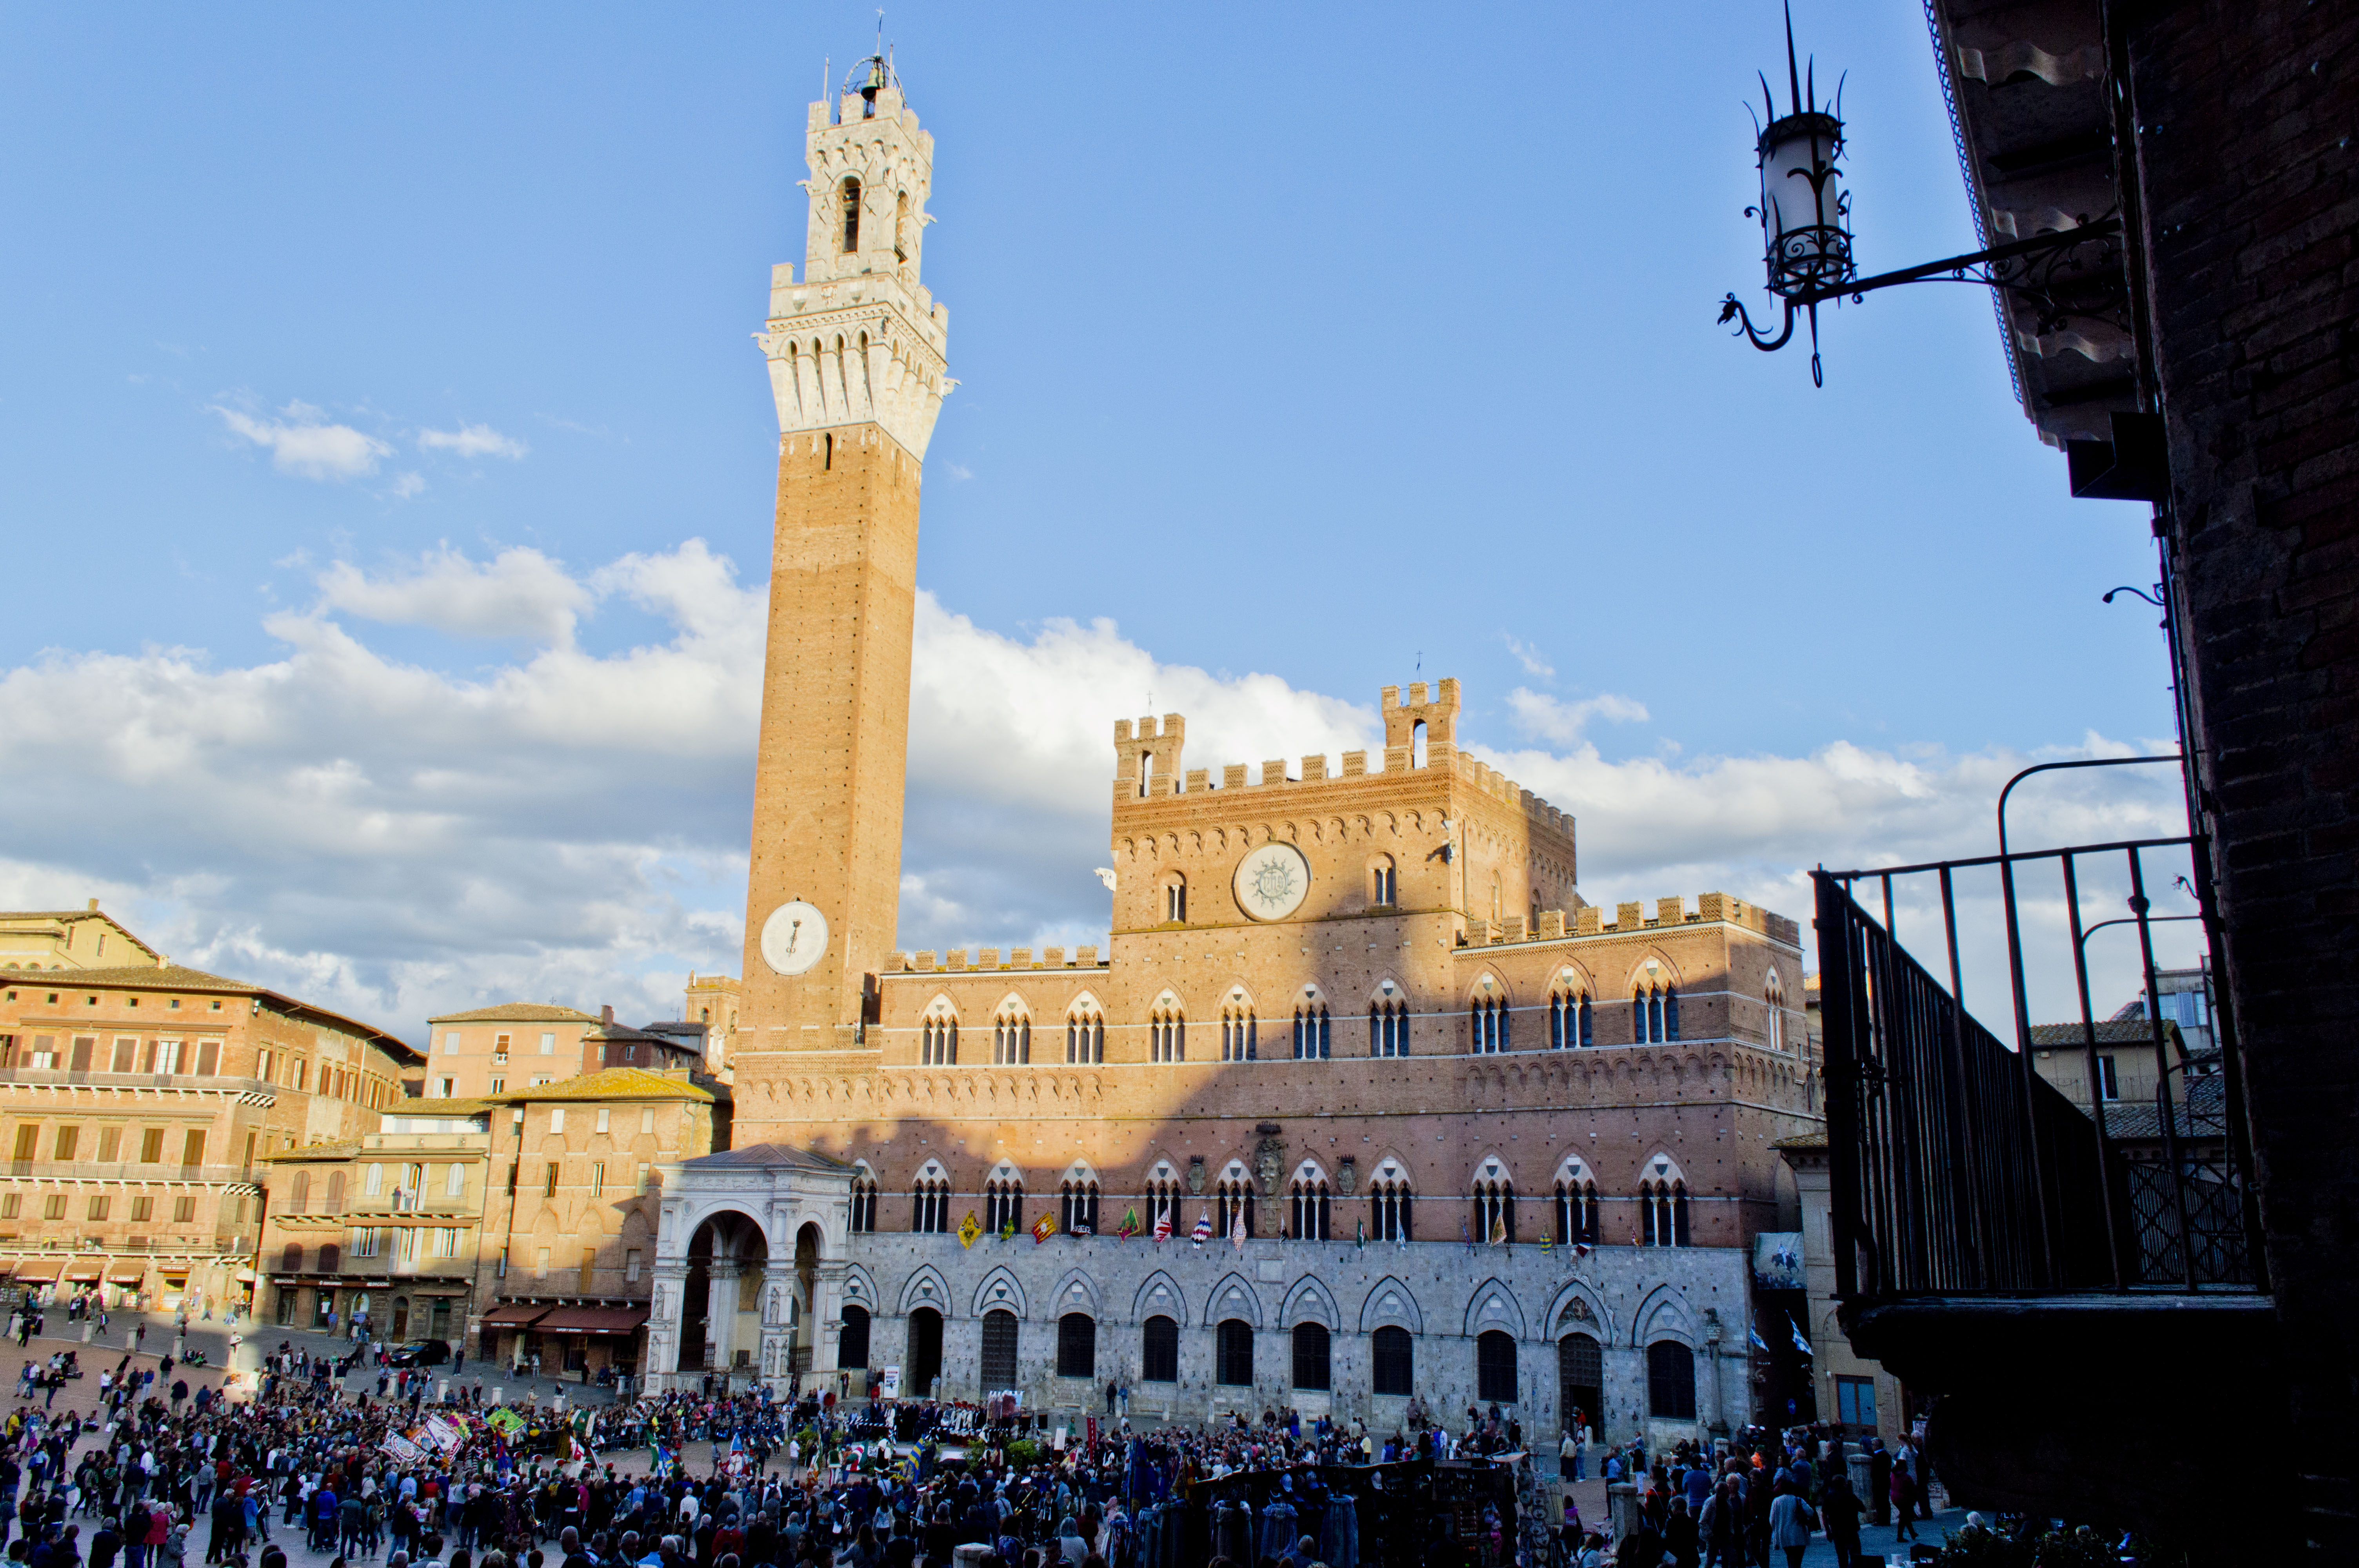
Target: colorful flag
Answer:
[[1800, 1344], [1759, 1342], [1498, 1230], [1547, 1245], [1204, 1231], [1162, 1225], [969, 1228], [1581, 1249], [1130, 1225], [1007, 1229], [1043, 1228], [1359, 1235], [1237, 1229]]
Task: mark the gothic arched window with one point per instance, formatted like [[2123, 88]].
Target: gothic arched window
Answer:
[[938, 1040], [1167, 1035], [1312, 1209], [1003, 1204], [1310, 1033], [1568, 1018], [1084, 1035], [1389, 1205], [930, 1205], [1388, 1027], [1011, 1040], [1487, 1027], [1576, 1210], [1495, 1211], [1239, 1032], [863, 1203], [851, 196]]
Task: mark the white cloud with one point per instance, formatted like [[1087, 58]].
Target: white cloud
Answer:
[[1550, 719], [472, 441], [394, 839], [405, 485], [1530, 657], [304, 444], [519, 593]]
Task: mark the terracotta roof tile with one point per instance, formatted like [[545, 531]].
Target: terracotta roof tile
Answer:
[[517, 1013], [614, 1083]]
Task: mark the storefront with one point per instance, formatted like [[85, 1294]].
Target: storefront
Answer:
[[38, 1277], [503, 1335], [591, 1339], [124, 1282]]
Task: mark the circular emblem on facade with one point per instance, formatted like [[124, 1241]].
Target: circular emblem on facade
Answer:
[[794, 937], [1272, 882]]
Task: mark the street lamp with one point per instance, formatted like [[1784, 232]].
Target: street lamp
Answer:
[[1805, 216]]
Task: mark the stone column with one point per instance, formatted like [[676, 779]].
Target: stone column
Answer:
[[778, 1286], [1715, 1420], [671, 1288], [827, 1317]]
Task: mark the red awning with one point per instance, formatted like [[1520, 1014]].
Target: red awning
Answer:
[[594, 1320], [515, 1314], [37, 1273], [85, 1273]]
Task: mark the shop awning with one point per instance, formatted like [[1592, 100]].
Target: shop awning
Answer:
[[119, 1275], [34, 1273], [594, 1320], [513, 1314], [85, 1273]]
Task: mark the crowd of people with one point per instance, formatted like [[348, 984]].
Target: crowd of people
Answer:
[[1736, 1504], [378, 1464]]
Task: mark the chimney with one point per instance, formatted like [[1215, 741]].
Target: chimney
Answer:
[[94, 906], [606, 1016]]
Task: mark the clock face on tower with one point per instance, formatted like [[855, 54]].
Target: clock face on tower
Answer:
[[1272, 882], [794, 937]]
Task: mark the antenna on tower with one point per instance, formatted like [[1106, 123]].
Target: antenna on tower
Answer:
[[826, 81]]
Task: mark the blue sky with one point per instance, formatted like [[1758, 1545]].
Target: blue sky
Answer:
[[1301, 343]]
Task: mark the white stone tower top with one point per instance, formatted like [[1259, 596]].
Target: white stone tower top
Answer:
[[860, 337]]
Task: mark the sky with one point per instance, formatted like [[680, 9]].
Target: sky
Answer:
[[386, 466]]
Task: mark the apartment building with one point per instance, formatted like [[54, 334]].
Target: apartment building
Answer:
[[138, 1102]]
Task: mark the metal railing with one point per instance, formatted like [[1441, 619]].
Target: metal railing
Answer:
[[124, 1171], [1957, 1169]]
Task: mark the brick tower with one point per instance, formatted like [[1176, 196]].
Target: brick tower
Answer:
[[855, 352]]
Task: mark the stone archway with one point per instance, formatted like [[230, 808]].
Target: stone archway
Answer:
[[721, 1309]]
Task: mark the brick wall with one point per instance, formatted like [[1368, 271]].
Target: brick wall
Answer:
[[2249, 177]]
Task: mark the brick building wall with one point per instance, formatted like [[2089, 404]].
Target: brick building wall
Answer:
[[2245, 163], [138, 1103]]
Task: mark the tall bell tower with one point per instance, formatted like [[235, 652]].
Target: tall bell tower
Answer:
[[856, 363]]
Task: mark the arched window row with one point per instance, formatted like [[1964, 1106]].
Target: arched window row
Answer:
[[1389, 1211], [1077, 1208], [1655, 1015], [1011, 1040], [864, 1204], [938, 1043], [1167, 1035], [1084, 1037], [1488, 1026], [1163, 1198], [1495, 1212], [930, 1206], [1773, 996], [1388, 1028], [1312, 1039], [1240, 1034], [1313, 1211], [1003, 1205], [1576, 1212], [1570, 1021], [1233, 1200], [1663, 1214]]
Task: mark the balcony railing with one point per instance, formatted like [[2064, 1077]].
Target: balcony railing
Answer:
[[1957, 1170]]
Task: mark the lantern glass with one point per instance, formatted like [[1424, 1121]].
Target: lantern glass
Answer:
[[1804, 212]]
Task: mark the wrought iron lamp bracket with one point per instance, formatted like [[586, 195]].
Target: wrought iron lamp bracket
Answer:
[[2037, 270]]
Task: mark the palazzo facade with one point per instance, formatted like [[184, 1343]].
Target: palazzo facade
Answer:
[[1451, 1130]]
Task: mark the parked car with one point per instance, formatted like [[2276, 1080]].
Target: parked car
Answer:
[[418, 1353]]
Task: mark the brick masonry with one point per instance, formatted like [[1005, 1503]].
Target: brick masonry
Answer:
[[2249, 175]]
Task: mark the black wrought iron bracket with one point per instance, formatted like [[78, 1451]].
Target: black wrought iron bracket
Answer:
[[2038, 270]]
